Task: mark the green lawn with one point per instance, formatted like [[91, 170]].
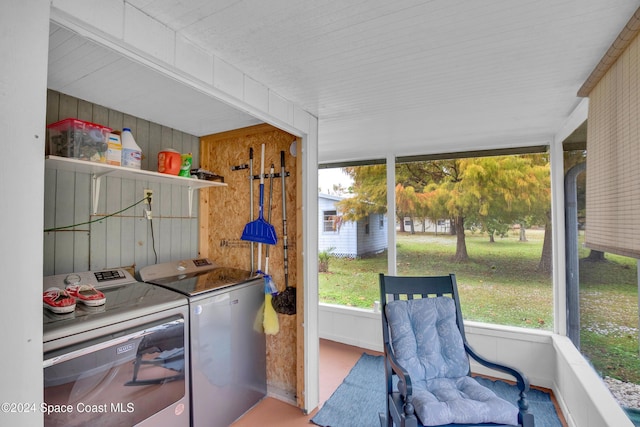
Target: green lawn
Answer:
[[500, 284]]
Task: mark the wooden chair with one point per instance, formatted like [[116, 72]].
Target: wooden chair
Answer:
[[424, 301]]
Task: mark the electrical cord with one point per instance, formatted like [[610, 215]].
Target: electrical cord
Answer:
[[153, 237], [98, 219]]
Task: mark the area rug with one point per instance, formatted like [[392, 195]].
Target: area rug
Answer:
[[361, 397]]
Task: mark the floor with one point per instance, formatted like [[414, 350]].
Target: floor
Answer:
[[336, 360]]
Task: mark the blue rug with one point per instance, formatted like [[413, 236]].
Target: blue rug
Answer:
[[361, 396]]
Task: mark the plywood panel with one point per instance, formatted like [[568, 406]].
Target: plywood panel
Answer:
[[224, 212]]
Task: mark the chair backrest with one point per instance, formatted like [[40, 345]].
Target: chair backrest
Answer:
[[429, 359], [410, 287]]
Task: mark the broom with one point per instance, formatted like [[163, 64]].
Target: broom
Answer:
[[270, 323]]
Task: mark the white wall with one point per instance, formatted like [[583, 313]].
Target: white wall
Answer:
[[584, 397], [23, 88], [126, 239]]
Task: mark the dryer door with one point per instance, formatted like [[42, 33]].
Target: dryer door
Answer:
[[121, 378]]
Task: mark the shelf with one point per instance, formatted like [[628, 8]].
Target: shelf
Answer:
[[98, 170], [101, 169]]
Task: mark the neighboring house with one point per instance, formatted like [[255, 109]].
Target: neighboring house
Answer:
[[349, 239], [426, 225]]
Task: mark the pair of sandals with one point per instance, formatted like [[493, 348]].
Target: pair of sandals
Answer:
[[62, 301]]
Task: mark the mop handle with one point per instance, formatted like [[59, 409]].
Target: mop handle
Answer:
[[251, 201], [266, 266], [261, 206], [262, 166], [284, 220]]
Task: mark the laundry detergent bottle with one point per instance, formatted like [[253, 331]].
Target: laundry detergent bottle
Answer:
[[131, 152]]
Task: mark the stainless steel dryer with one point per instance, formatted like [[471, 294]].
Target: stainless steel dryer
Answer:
[[122, 363], [228, 350]]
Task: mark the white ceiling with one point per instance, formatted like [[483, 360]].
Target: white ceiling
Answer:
[[86, 70], [408, 76]]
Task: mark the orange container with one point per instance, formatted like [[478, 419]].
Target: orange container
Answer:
[[169, 161]]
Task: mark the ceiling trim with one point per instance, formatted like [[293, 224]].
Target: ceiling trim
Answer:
[[626, 36], [475, 153]]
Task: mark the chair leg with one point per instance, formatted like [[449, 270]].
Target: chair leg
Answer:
[[525, 418], [383, 420]]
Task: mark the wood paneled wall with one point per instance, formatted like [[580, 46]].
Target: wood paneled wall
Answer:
[[224, 213], [125, 239]]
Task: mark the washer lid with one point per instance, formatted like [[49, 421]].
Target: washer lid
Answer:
[[206, 281], [124, 302]]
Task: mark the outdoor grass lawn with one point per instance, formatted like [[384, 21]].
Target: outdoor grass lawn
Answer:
[[500, 284]]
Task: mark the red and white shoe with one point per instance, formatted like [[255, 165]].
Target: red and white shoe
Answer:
[[87, 295], [59, 301]]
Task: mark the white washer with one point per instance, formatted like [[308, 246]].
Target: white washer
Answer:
[[122, 363]]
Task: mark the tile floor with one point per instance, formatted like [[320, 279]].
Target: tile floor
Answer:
[[336, 360]]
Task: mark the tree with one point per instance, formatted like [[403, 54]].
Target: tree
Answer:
[[492, 192], [406, 205], [369, 192], [449, 197]]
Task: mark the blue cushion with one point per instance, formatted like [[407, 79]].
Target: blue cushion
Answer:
[[428, 344]]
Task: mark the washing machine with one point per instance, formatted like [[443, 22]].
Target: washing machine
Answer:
[[228, 349], [125, 362]]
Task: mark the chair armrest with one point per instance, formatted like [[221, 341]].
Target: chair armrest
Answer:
[[400, 409], [525, 419], [404, 386], [521, 379]]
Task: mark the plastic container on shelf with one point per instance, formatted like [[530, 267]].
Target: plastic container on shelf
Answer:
[[185, 167], [79, 139], [131, 152], [114, 150]]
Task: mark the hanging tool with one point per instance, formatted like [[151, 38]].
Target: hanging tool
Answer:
[[270, 286], [260, 231], [251, 202], [270, 322], [285, 302], [250, 167]]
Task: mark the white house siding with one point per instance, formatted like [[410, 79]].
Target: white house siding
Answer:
[[343, 240], [376, 240]]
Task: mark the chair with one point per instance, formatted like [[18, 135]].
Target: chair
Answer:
[[427, 370]]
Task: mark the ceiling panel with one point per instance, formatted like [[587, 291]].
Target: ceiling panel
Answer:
[[410, 75], [83, 69]]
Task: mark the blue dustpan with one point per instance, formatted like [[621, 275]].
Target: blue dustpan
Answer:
[[260, 231]]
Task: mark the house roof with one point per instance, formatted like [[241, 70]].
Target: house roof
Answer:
[[384, 78], [330, 197]]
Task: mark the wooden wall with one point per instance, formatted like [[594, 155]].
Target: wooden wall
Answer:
[[225, 211], [125, 239]]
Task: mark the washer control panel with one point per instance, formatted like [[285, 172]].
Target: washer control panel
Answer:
[[98, 279]]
